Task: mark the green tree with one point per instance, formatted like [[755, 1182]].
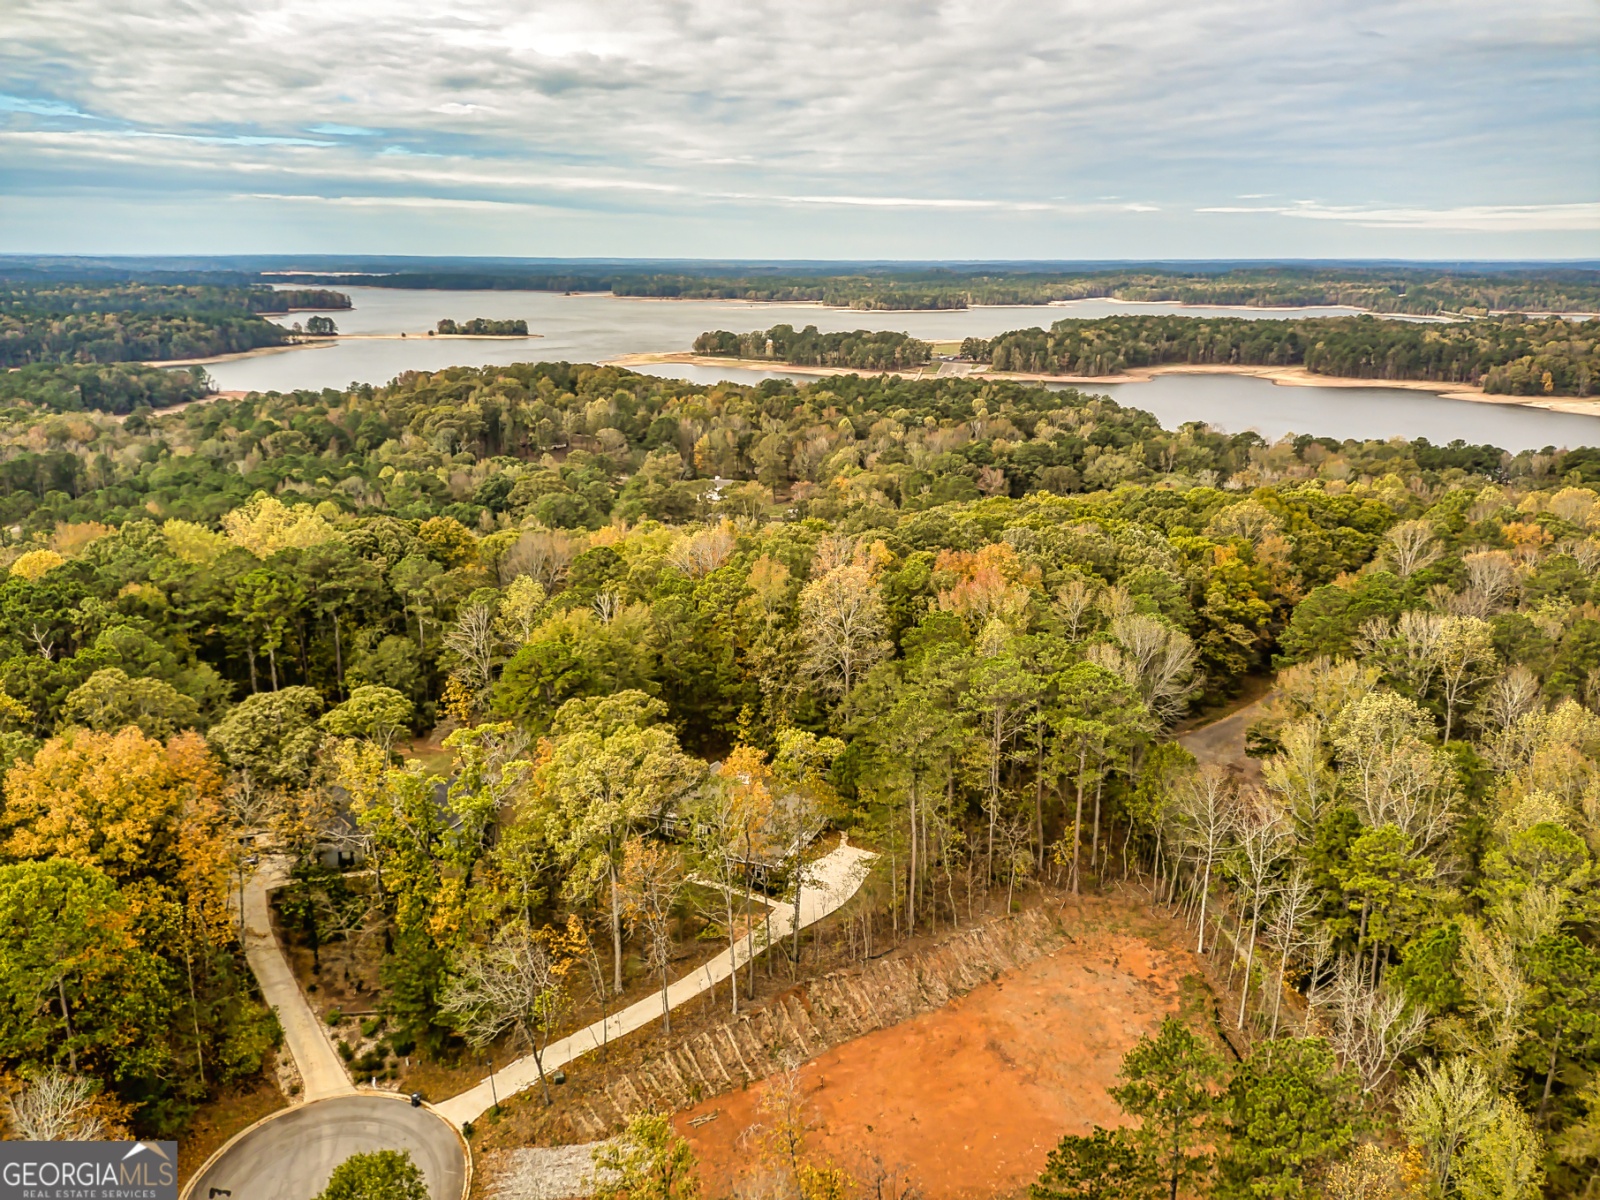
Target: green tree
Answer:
[[1105, 1165], [647, 1162], [1169, 1083], [1505, 1161], [378, 1175], [375, 713], [76, 987], [109, 700], [611, 772], [1384, 880], [272, 735], [1289, 1111]]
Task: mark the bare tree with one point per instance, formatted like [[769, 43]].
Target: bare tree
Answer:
[[1205, 810], [1370, 1028], [843, 625], [514, 985], [1465, 654], [698, 554], [1299, 775], [475, 642], [717, 816], [542, 553], [1156, 660], [54, 1107], [607, 604], [652, 881], [1263, 841], [1491, 576], [1287, 933], [1074, 600], [1412, 546], [1391, 772], [1510, 695]]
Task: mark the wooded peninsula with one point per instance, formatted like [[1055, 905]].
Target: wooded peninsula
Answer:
[[129, 322], [862, 349], [1514, 356]]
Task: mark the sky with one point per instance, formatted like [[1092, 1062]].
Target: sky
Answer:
[[773, 129]]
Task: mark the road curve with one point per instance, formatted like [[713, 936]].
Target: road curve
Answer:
[[291, 1154]]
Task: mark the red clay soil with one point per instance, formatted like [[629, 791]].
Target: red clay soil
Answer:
[[971, 1098]]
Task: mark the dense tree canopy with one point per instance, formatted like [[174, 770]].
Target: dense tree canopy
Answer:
[[1413, 290], [1516, 356], [668, 629], [108, 323]]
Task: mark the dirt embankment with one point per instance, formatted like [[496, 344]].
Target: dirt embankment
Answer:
[[961, 1064], [968, 1100]]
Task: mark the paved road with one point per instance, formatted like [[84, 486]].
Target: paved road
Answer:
[[321, 1073], [1222, 741], [833, 879], [291, 1155]]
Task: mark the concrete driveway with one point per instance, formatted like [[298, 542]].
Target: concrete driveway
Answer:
[[291, 1154], [321, 1072]]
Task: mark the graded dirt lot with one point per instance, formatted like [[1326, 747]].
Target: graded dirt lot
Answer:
[[969, 1099]]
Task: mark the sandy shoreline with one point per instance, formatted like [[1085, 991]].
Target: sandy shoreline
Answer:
[[425, 336], [258, 352], [1282, 376]]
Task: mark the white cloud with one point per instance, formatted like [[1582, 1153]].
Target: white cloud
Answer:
[[1486, 218], [949, 111]]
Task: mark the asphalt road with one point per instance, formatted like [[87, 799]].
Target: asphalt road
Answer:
[[291, 1156]]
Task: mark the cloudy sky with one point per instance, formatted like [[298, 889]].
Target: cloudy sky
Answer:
[[1070, 129]]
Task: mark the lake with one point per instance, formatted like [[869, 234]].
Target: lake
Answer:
[[598, 327]]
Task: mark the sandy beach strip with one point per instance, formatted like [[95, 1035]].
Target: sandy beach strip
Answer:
[[258, 352]]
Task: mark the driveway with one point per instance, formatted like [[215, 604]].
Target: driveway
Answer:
[[1223, 742], [321, 1073], [830, 882], [291, 1154]]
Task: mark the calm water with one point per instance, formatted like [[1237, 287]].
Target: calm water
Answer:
[[594, 328]]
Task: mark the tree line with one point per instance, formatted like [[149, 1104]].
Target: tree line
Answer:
[[119, 389], [110, 323], [1514, 356], [483, 325], [637, 446], [861, 349], [1417, 291]]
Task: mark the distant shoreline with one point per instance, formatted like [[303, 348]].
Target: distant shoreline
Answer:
[[1282, 376], [322, 342]]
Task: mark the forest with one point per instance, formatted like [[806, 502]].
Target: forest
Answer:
[[483, 325], [674, 629], [861, 349], [111, 388], [109, 323], [1512, 355], [1416, 291]]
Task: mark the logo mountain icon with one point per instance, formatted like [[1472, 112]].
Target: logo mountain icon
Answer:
[[141, 1147]]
